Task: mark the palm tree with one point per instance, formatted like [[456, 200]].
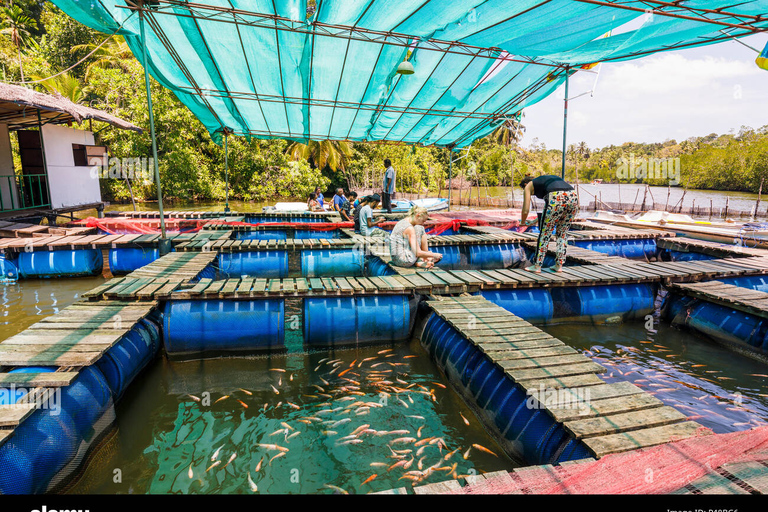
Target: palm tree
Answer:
[[66, 85], [332, 153], [112, 54], [16, 24], [509, 132]]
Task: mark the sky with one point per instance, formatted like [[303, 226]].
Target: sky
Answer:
[[669, 95]]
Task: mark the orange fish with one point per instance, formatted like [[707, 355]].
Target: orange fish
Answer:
[[483, 449], [369, 479]]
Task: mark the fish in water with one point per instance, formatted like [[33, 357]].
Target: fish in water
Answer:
[[190, 473], [193, 397], [258, 466], [340, 422], [274, 389], [231, 458], [466, 421], [276, 456], [483, 449], [402, 440], [213, 465], [466, 453], [277, 370], [252, 484], [273, 447], [222, 398], [369, 479], [215, 455], [337, 489], [245, 391], [243, 404]]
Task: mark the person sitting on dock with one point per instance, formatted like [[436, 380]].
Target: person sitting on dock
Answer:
[[346, 209], [560, 207], [312, 204], [368, 226], [337, 200], [319, 197], [358, 207], [408, 242]]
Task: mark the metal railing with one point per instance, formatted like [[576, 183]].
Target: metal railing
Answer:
[[24, 192]]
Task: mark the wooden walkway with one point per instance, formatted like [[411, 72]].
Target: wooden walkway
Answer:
[[717, 250], [168, 279], [26, 230], [618, 417], [78, 336], [749, 301]]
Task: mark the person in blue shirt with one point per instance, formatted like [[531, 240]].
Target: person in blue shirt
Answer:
[[346, 209], [338, 200], [319, 197]]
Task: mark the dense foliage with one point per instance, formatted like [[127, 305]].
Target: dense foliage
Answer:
[[41, 41]]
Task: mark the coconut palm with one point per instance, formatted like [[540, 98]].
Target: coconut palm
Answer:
[[112, 54], [334, 154], [16, 24], [509, 132], [66, 85]]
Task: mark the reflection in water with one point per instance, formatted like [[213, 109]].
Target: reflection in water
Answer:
[[721, 390]]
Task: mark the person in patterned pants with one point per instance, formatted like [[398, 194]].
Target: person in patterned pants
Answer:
[[561, 207]]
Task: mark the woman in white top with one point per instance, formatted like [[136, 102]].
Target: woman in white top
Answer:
[[408, 241]]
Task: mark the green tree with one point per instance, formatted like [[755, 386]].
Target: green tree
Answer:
[[16, 24]]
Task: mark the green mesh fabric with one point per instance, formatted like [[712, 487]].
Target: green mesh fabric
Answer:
[[267, 69]]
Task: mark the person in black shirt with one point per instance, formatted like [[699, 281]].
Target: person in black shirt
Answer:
[[561, 206]]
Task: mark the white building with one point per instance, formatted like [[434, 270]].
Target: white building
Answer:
[[56, 159]]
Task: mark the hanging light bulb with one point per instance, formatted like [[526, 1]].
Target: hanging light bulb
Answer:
[[405, 68]]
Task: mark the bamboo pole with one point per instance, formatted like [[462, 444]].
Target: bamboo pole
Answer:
[[759, 193]]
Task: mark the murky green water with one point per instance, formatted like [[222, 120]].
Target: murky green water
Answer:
[[295, 423]]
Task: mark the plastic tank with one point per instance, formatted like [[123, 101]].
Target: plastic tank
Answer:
[[200, 326], [759, 283], [332, 262], [686, 256], [718, 322], [533, 304], [124, 260], [454, 257], [266, 264], [49, 439], [488, 257], [81, 262], [330, 321], [635, 249], [376, 267], [8, 271], [305, 234], [123, 362], [261, 234], [531, 432]]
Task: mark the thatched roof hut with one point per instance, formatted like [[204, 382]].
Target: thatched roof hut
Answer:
[[19, 109]]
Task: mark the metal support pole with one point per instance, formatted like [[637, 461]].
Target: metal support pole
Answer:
[[565, 121], [164, 244], [45, 166], [450, 175], [226, 171]]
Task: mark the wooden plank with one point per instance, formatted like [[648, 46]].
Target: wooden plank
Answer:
[[625, 441], [604, 408], [12, 415], [53, 379], [554, 371]]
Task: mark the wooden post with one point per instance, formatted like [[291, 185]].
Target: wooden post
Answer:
[[725, 215], [669, 191], [759, 193], [693, 206], [710, 208], [634, 203], [645, 193]]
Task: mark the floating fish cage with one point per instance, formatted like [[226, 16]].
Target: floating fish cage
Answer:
[[55, 264]]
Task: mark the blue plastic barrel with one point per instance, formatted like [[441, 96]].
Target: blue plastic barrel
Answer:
[[124, 260], [635, 249], [9, 273], [305, 234], [10, 395], [631, 301], [687, 256], [48, 440], [261, 234], [454, 257], [332, 262], [201, 326], [267, 264], [488, 257], [123, 362], [759, 283], [504, 405], [376, 267], [330, 321], [725, 324], [80, 262], [533, 305]]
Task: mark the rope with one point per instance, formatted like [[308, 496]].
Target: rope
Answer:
[[78, 62]]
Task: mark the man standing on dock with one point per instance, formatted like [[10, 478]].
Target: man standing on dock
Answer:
[[389, 186]]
